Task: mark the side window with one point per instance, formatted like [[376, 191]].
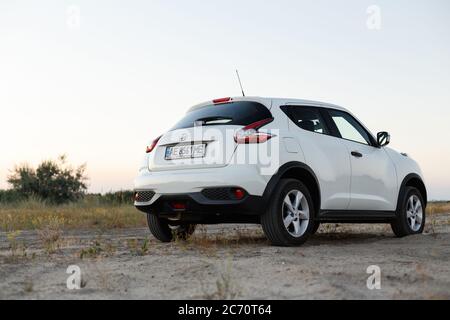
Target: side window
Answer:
[[349, 128], [307, 118]]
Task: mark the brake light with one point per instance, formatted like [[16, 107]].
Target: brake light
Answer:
[[251, 135], [238, 193], [153, 145], [222, 100]]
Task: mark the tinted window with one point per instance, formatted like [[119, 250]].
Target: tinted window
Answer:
[[349, 128], [240, 113], [307, 118]]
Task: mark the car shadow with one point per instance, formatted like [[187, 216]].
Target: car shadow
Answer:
[[342, 238], [257, 239]]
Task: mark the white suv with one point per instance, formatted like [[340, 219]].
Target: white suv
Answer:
[[286, 164]]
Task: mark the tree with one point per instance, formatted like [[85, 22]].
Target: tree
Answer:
[[53, 181]]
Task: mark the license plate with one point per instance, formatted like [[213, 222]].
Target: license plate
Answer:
[[185, 152]]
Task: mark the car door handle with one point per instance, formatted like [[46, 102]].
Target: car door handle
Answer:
[[357, 154]]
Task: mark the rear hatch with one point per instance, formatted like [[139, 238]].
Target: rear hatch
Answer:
[[204, 138]]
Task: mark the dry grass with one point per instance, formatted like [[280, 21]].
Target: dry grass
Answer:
[[225, 287], [93, 251], [98, 248], [33, 215], [438, 207], [51, 234], [17, 249], [137, 247], [210, 243]]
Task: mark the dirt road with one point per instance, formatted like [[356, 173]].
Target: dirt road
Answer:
[[228, 262]]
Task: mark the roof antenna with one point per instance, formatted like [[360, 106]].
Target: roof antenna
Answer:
[[240, 83]]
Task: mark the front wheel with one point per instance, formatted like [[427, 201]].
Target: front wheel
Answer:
[[411, 214], [289, 219], [165, 232]]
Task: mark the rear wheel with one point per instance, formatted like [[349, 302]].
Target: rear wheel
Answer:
[[165, 231], [411, 214], [289, 219], [315, 228]]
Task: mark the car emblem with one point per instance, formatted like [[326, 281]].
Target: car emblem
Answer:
[[183, 137]]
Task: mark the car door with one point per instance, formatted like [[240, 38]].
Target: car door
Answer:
[[323, 153], [373, 176]]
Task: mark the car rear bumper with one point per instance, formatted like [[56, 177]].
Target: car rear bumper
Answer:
[[197, 208], [193, 181]]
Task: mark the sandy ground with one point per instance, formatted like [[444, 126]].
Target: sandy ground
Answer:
[[231, 262]]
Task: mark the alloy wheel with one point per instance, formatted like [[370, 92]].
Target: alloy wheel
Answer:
[[414, 213], [296, 213]]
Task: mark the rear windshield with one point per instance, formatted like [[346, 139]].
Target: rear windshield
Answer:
[[240, 113]]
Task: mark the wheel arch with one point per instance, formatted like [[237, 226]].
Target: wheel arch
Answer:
[[299, 171], [412, 180]]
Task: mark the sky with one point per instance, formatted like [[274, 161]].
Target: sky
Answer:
[[97, 80]]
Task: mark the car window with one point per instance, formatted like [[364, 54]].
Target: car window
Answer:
[[307, 118], [349, 128], [240, 113]]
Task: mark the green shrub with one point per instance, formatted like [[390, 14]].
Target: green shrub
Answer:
[[10, 196], [118, 198], [53, 181]]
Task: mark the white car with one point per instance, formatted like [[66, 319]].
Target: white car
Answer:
[[286, 164]]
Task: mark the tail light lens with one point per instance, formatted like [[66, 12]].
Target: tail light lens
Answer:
[[251, 135], [222, 100], [153, 145], [179, 206], [238, 193]]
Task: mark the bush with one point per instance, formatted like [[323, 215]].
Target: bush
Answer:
[[8, 196], [52, 181], [118, 198]]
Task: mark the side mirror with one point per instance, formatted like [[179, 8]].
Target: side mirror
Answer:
[[383, 138]]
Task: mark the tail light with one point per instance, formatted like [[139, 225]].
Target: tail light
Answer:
[[222, 100], [251, 135], [153, 145]]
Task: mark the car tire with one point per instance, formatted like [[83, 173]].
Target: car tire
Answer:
[[315, 228], [165, 232], [282, 226], [411, 215]]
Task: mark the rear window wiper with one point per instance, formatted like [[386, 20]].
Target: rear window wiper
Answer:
[[212, 121]]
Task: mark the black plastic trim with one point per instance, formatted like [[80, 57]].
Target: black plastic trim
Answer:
[[357, 216], [270, 188], [405, 181], [197, 205]]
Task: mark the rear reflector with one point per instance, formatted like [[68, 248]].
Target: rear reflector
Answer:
[[239, 194], [222, 100], [178, 206]]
